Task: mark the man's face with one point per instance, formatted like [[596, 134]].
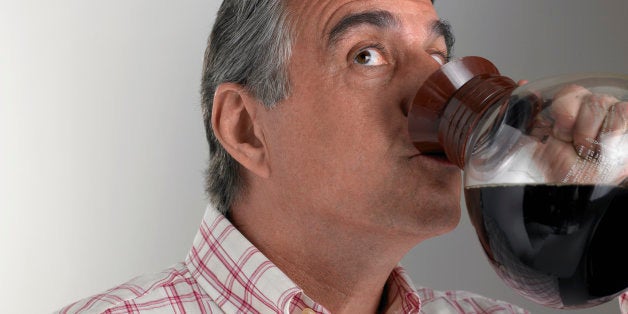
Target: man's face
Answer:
[[338, 146]]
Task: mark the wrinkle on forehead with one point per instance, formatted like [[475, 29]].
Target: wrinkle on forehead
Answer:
[[378, 18], [299, 10], [308, 16]]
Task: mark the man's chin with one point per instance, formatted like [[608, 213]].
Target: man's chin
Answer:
[[432, 219]]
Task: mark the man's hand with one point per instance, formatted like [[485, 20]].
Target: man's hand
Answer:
[[588, 140]]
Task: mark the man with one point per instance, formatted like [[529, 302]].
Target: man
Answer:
[[317, 191]]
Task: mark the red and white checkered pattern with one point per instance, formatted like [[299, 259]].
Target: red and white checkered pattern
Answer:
[[623, 303], [225, 273]]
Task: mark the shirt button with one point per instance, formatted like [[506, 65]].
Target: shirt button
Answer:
[[308, 311]]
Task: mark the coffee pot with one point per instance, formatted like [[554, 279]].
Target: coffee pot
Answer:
[[545, 174]]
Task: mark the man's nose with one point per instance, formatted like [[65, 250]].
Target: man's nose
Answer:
[[421, 69]]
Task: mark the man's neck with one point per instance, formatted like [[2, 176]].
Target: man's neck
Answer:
[[342, 268]]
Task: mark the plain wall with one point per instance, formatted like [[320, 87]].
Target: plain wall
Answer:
[[102, 148]]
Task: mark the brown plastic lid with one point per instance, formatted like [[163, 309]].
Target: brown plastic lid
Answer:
[[450, 103]]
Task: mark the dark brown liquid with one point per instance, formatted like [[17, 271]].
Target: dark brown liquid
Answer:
[[559, 245]]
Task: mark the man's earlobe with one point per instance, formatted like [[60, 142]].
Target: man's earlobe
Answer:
[[236, 128]]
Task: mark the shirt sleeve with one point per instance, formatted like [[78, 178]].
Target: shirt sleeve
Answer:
[[623, 303], [463, 302]]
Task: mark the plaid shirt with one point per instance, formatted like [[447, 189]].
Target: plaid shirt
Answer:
[[225, 273]]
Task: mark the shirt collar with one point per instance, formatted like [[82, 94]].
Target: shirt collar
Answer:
[[402, 296], [239, 278]]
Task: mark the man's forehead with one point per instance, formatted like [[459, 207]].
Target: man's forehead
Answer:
[[380, 19], [321, 16]]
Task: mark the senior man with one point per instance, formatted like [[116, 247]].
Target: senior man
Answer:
[[317, 191]]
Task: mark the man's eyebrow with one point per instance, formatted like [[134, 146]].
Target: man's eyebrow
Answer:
[[443, 28], [380, 19]]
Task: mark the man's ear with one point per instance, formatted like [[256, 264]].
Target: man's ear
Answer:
[[235, 124]]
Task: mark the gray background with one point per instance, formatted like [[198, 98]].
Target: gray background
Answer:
[[102, 149]]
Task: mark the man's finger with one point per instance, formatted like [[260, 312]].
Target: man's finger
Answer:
[[616, 120], [594, 110], [614, 132], [564, 111], [614, 140]]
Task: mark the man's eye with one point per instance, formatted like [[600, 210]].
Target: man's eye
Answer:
[[370, 57], [439, 58]]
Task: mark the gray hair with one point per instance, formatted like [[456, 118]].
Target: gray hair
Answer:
[[250, 45]]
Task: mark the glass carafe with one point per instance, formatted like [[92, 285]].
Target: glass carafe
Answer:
[[545, 174]]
